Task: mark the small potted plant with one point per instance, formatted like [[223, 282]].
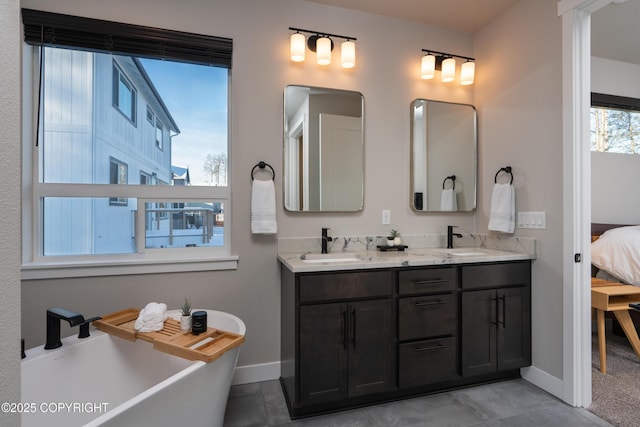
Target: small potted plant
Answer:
[[394, 236], [185, 315]]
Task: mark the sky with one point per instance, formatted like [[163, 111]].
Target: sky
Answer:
[[197, 98]]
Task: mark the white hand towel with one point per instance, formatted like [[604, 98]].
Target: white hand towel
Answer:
[[448, 200], [263, 207], [151, 317], [503, 209]]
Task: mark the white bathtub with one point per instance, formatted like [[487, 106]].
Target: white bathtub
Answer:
[[107, 381]]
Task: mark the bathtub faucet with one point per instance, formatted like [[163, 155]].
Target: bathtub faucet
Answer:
[[54, 316]]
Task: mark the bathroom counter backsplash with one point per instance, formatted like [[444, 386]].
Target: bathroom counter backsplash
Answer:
[[422, 250]]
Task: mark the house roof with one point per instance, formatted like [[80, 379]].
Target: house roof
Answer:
[[178, 172], [153, 89]]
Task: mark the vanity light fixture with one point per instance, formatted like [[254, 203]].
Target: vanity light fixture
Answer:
[[322, 44], [446, 63]]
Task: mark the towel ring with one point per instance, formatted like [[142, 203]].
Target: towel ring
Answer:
[[453, 182], [262, 165], [506, 169]]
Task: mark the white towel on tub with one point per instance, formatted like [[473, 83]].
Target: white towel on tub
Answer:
[[151, 317], [503, 209], [263, 207]]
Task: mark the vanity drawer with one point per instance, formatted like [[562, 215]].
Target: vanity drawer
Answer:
[[427, 280], [496, 275], [347, 285], [427, 316], [428, 362]]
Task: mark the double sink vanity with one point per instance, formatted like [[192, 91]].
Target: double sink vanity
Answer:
[[365, 326], [362, 326]]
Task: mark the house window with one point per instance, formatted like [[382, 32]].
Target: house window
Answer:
[[117, 175], [124, 95], [159, 133], [615, 124], [84, 209]]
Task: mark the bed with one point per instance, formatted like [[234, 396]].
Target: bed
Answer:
[[615, 257], [615, 252]]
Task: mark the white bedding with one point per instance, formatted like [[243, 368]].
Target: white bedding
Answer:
[[617, 252]]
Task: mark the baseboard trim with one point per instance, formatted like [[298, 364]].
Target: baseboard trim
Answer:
[[256, 373], [542, 379]]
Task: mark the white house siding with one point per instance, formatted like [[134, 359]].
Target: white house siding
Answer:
[[68, 147], [86, 131]]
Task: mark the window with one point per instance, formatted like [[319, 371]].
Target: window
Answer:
[[82, 207], [124, 95], [159, 134], [117, 175], [615, 124]]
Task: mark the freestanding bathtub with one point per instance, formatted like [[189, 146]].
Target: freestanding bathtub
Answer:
[[107, 381]]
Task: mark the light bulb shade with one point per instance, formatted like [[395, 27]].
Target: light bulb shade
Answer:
[[428, 68], [348, 52], [297, 47], [467, 73], [323, 50], [448, 70]]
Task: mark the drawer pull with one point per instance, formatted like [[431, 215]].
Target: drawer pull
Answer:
[[429, 282], [428, 303], [435, 347]]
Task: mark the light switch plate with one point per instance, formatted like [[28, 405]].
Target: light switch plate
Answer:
[[532, 220], [386, 217]]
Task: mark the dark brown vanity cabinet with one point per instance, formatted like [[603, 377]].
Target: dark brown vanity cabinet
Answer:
[[350, 338], [344, 336], [496, 317], [428, 326]]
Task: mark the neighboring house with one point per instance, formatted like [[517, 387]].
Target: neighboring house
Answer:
[[115, 129], [180, 176]]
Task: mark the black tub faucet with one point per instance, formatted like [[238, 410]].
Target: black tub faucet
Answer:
[[450, 235], [54, 316], [325, 239]]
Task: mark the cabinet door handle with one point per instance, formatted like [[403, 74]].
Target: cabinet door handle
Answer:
[[344, 329], [504, 303], [429, 281], [431, 348], [428, 303]]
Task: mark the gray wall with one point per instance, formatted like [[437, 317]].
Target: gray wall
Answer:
[[517, 92], [614, 177], [10, 207]]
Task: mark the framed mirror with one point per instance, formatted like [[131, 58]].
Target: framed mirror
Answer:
[[443, 156], [323, 150]]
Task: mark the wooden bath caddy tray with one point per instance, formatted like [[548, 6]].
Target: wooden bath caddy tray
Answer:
[[207, 346]]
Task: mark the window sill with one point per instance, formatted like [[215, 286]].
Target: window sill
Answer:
[[58, 270]]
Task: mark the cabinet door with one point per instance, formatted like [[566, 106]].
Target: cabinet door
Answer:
[[323, 353], [514, 328], [478, 332], [371, 344]]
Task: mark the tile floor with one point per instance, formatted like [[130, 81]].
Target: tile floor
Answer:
[[509, 403]]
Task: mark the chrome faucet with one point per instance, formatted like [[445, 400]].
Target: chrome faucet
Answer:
[[450, 235], [325, 239], [55, 315]]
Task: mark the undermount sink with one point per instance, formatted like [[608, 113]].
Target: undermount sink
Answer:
[[464, 252], [336, 257]]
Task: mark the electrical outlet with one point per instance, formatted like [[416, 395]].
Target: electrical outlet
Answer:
[[386, 217]]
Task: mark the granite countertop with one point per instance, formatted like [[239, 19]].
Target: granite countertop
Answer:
[[371, 259]]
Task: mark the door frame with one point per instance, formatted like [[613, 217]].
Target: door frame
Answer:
[[576, 101]]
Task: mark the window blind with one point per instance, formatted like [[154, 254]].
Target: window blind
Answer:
[[59, 30], [614, 102]]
